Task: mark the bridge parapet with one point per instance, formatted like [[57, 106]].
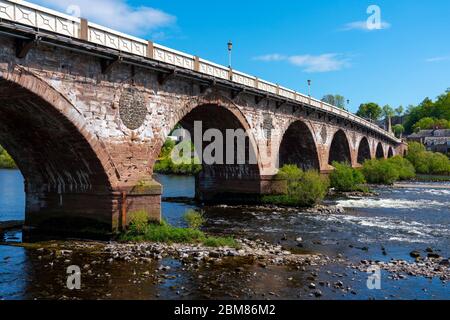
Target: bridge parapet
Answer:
[[40, 18]]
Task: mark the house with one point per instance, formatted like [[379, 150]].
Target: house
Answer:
[[433, 140]]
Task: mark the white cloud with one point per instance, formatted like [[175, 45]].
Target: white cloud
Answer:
[[438, 59], [271, 57], [115, 14], [310, 63], [363, 25]]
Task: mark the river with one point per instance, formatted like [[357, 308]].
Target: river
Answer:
[[383, 227]]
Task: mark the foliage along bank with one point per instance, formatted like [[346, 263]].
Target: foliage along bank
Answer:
[[6, 162]]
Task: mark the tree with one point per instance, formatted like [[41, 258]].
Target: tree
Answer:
[[399, 130], [429, 123], [370, 110], [400, 111], [388, 113], [442, 124], [439, 109], [335, 100], [424, 124]]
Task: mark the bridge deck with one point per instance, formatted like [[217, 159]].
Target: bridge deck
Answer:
[[21, 17]]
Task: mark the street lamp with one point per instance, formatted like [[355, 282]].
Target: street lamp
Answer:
[[230, 49], [309, 88], [348, 104]]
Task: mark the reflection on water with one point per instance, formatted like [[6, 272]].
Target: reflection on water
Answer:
[[12, 196], [399, 220]]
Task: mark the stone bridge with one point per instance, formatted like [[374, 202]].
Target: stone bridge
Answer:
[[85, 110]]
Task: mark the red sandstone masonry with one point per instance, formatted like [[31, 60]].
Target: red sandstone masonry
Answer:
[[91, 154]]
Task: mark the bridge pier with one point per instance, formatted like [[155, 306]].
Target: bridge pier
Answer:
[[96, 212], [232, 190]]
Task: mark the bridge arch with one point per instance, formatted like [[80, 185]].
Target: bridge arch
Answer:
[[364, 150], [62, 164], [380, 151], [340, 149], [231, 179], [298, 147], [390, 152]]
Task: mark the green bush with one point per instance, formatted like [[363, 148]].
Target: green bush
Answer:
[[194, 219], [380, 172], [165, 165], [426, 162], [404, 168], [313, 188], [304, 189], [6, 162], [438, 163], [346, 179]]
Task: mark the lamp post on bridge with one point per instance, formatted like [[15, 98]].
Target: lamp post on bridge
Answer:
[[309, 88], [230, 49]]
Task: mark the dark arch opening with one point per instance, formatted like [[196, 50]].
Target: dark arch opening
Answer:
[[298, 147], [233, 178], [364, 151], [58, 164], [390, 152], [380, 151], [340, 149]]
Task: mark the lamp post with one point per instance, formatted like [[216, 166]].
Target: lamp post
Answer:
[[230, 49], [309, 88], [348, 104]]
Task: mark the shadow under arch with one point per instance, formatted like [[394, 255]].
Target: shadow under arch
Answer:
[[61, 167], [340, 149], [364, 151], [298, 147], [390, 152], [230, 178], [380, 151]]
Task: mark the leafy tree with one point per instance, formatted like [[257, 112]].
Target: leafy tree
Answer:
[[388, 113], [335, 100], [424, 124], [6, 162], [370, 110], [399, 130], [399, 111], [439, 109], [431, 123]]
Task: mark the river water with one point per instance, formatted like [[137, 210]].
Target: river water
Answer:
[[383, 227]]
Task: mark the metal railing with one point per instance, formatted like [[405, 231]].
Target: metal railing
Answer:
[[41, 18]]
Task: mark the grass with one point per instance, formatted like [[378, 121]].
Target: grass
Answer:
[[141, 230], [432, 178]]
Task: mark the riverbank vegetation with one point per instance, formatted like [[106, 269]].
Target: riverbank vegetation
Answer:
[[388, 171], [426, 162], [347, 179], [6, 162], [304, 188], [165, 164], [143, 230]]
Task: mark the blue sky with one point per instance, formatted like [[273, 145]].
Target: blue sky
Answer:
[[289, 42]]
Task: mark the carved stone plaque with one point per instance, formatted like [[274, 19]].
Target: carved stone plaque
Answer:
[[132, 109]]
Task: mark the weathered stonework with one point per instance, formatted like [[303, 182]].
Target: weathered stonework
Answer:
[[85, 140]]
